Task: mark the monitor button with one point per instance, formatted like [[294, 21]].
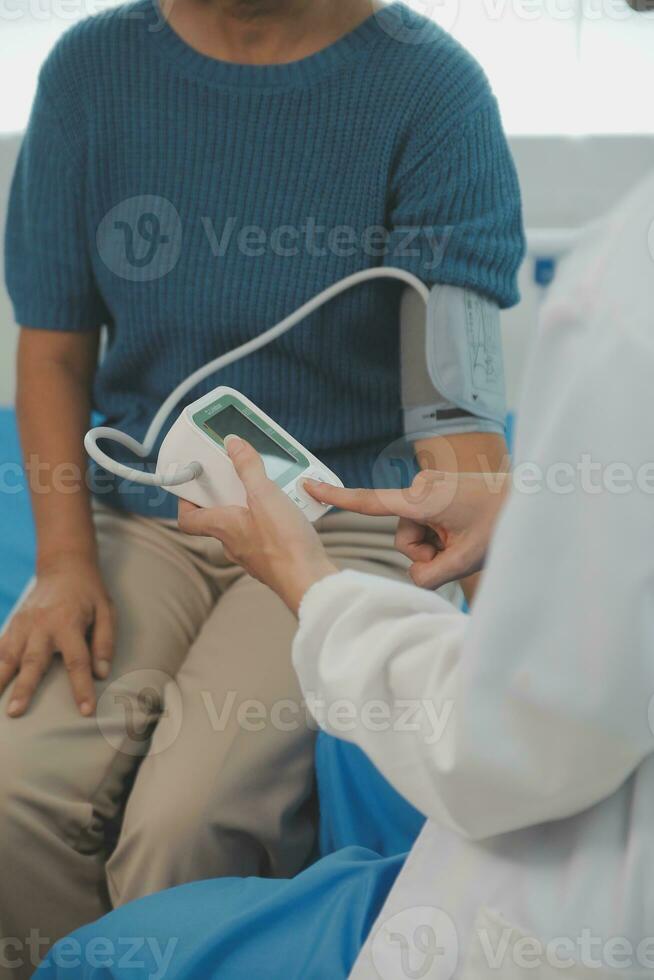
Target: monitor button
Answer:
[[297, 499], [317, 475], [331, 481]]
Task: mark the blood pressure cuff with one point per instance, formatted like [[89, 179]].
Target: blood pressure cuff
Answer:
[[452, 364]]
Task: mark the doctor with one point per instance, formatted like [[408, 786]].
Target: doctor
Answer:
[[537, 857]]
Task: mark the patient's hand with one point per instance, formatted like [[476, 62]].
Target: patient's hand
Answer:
[[446, 519], [67, 601], [270, 538]]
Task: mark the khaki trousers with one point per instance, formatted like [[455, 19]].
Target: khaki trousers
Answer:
[[199, 763]]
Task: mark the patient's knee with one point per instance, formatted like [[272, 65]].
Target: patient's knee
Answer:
[[15, 786], [35, 806]]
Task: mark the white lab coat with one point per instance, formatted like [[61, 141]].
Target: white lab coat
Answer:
[[538, 856]]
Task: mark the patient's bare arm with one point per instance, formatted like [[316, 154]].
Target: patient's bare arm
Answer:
[[69, 601]]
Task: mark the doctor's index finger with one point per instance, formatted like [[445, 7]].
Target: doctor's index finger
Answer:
[[373, 503]]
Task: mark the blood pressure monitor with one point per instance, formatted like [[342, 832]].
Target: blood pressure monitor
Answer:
[[451, 335], [199, 434]]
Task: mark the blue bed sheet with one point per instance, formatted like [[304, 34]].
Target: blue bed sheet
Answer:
[[17, 557]]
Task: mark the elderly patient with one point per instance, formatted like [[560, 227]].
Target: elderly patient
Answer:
[[536, 859]]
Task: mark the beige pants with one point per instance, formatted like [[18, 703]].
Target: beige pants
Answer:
[[98, 812]]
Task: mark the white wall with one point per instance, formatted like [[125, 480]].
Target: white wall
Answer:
[[8, 151], [566, 183]]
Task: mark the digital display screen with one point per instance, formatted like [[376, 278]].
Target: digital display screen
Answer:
[[278, 462]]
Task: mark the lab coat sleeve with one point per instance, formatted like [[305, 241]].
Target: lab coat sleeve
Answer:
[[539, 705]]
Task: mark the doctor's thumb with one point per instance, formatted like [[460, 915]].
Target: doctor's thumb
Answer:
[[247, 462], [448, 566]]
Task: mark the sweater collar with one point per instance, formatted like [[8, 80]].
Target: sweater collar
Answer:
[[213, 71]]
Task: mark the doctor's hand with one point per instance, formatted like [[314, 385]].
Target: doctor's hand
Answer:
[[270, 538], [446, 519]]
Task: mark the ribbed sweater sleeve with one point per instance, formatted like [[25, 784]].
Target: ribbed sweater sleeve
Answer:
[[456, 215], [48, 266]]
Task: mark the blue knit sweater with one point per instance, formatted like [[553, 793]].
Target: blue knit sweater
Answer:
[[189, 203]]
